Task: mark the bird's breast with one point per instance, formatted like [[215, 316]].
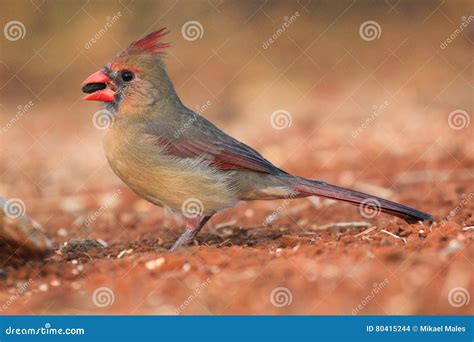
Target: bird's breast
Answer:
[[163, 179]]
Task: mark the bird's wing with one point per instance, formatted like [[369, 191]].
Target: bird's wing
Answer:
[[201, 139]]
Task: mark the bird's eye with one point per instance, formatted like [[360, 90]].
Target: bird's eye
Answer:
[[127, 75]]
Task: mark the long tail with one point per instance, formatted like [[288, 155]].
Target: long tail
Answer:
[[368, 203]]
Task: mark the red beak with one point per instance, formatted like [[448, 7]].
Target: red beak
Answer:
[[96, 87]]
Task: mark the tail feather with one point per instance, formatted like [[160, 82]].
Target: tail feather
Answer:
[[310, 187]]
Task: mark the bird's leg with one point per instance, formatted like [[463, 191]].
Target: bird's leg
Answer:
[[193, 226]]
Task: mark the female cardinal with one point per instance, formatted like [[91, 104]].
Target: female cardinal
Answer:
[[173, 157]]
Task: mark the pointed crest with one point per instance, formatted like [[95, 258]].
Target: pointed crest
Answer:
[[150, 43]]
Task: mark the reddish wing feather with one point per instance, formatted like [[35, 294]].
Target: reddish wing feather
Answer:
[[229, 161], [217, 156]]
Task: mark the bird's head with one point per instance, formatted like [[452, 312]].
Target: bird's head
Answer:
[[133, 79]]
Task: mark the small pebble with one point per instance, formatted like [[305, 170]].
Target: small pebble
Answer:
[[453, 246], [156, 263], [121, 254], [62, 232], [249, 213], [214, 269], [186, 267], [102, 242]]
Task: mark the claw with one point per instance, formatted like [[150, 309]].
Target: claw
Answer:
[[193, 226]]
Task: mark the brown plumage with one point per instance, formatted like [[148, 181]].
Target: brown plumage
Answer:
[[174, 157]]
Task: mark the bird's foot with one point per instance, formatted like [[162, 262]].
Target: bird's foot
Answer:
[[193, 226], [184, 239]]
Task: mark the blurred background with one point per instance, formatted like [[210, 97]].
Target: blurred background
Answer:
[[373, 95]]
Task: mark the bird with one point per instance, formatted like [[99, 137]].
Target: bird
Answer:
[[175, 158]]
